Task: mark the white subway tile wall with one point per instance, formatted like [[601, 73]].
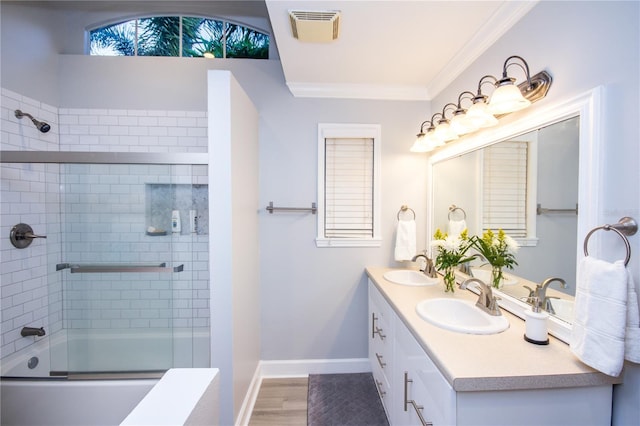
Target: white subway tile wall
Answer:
[[96, 214]]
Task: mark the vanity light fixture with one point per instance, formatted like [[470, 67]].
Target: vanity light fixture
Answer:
[[460, 123], [506, 98], [443, 130], [420, 145], [427, 140], [479, 113]]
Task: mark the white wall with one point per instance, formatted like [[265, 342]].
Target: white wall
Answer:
[[235, 308], [584, 45]]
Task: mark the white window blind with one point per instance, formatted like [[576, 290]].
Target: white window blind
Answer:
[[349, 185], [505, 188], [349, 180]]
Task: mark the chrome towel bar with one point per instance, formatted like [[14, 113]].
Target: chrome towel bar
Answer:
[[543, 210], [97, 268], [271, 208]]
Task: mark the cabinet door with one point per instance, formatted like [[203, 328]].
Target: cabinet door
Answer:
[[425, 396], [381, 344]]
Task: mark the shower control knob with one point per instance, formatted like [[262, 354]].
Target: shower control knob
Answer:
[[22, 235]]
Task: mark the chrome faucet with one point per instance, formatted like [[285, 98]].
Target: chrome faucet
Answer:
[[429, 270], [486, 300], [541, 294]]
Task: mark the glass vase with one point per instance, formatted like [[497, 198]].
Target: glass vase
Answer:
[[449, 279], [496, 276]]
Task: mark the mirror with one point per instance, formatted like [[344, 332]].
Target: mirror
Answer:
[[553, 154], [528, 186]]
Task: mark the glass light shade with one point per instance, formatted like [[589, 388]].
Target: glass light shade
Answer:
[[507, 98], [433, 140], [421, 144], [208, 55], [462, 125], [444, 132], [478, 115]]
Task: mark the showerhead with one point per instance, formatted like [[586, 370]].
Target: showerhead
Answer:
[[40, 125]]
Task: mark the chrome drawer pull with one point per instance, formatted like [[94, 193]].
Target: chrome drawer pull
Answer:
[[379, 386], [416, 407], [382, 364]]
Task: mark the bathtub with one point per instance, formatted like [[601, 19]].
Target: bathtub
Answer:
[[61, 402], [30, 396]]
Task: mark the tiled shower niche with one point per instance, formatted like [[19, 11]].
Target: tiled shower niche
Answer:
[[163, 198]]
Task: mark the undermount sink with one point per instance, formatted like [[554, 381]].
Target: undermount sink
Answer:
[[461, 316], [485, 276], [409, 277]]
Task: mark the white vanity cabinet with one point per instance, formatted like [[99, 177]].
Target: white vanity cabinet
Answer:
[[404, 373], [381, 342]]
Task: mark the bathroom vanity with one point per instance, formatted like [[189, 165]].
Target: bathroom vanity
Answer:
[[427, 375]]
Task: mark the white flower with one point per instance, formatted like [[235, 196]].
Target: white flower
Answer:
[[512, 244]]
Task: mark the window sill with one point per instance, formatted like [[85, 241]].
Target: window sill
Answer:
[[348, 242], [527, 242]]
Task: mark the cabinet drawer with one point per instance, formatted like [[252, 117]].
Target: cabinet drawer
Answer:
[[426, 386]]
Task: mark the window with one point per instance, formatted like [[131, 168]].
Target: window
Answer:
[[509, 190], [348, 185], [185, 36]]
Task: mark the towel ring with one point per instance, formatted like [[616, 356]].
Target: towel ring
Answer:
[[625, 226], [403, 209], [454, 208]]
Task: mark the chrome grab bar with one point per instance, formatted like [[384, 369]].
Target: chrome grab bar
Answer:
[[97, 268], [416, 407]]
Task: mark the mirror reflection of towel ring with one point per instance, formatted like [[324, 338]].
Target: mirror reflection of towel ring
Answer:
[[404, 209], [455, 208]]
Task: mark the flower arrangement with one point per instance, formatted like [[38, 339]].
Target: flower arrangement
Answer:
[[451, 253], [499, 250]]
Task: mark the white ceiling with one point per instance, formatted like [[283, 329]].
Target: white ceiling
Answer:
[[390, 49], [387, 49]]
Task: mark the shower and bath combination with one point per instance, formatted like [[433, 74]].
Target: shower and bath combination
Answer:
[[40, 125]]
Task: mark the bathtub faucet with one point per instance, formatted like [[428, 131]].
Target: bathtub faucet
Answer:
[[32, 331]]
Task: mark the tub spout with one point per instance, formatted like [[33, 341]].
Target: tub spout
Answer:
[[32, 331]]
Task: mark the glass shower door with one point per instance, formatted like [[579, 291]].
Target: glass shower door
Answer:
[[133, 237]]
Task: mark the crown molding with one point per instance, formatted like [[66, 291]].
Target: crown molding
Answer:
[[358, 91], [495, 27]]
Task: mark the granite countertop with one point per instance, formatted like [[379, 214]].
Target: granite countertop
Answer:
[[503, 361]]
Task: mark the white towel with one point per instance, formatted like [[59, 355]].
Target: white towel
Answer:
[[405, 240], [632, 337], [456, 227], [600, 315]]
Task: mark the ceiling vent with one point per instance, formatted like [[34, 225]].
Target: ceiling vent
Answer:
[[315, 26]]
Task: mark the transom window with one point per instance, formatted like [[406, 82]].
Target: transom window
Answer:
[[186, 36]]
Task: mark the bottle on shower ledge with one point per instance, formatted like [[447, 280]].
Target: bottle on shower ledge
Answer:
[[175, 222]]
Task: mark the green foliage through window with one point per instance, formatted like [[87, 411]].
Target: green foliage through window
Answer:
[[179, 36]]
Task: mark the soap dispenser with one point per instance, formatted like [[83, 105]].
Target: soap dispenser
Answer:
[[175, 222], [536, 324]]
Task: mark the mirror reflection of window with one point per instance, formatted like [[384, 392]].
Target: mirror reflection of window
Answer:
[[504, 195]]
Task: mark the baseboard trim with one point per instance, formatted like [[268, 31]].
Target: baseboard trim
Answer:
[[249, 399], [295, 368], [304, 367]]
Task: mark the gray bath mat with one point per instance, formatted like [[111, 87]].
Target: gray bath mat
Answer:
[[344, 399]]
